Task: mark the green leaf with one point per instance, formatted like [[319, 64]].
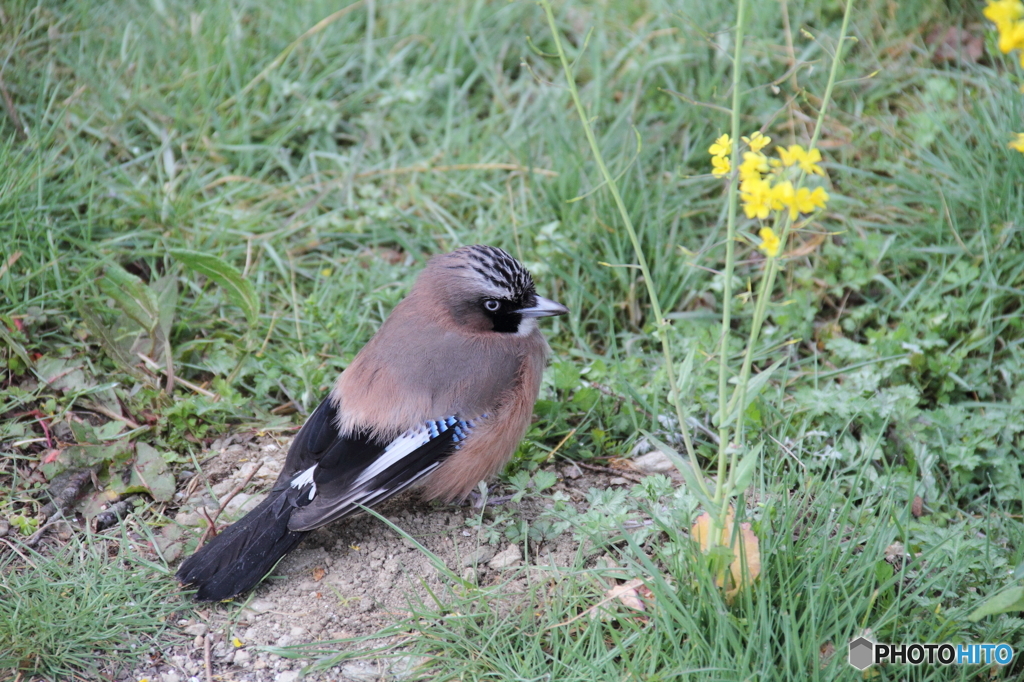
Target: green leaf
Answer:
[[117, 350], [883, 571], [542, 480], [684, 381], [81, 457], [166, 290], [16, 347], [131, 296], [149, 475], [689, 475], [745, 467], [567, 376], [755, 385], [1011, 599], [239, 290]]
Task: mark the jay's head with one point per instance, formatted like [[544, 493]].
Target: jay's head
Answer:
[[486, 290]]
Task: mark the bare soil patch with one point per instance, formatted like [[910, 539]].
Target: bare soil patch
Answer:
[[348, 579]]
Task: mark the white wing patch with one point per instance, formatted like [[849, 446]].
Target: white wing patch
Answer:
[[305, 478], [364, 490], [413, 439]]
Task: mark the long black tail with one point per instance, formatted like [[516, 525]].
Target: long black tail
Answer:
[[238, 558]]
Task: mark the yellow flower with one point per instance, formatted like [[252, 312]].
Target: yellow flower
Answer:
[[756, 195], [784, 196], [770, 242], [720, 165], [1001, 12], [754, 165], [237, 643], [721, 147], [757, 141], [807, 160], [819, 197], [1018, 142], [1011, 36], [806, 200], [789, 155]]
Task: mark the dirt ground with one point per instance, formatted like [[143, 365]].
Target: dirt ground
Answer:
[[348, 579]]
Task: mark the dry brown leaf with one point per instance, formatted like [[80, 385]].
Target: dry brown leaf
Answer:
[[628, 594], [807, 247], [955, 44], [745, 549]]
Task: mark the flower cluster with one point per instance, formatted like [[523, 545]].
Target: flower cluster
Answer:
[[1008, 16], [766, 184]]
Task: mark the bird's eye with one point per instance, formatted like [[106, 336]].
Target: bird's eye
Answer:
[[492, 305]]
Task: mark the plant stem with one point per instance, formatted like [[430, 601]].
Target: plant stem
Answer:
[[662, 323], [730, 264], [767, 283]]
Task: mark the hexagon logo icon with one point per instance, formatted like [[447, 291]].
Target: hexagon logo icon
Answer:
[[862, 653]]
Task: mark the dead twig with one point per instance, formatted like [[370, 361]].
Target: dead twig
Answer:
[[65, 489], [211, 529], [18, 552], [34, 539], [234, 491], [99, 409], [12, 112], [616, 592], [223, 505], [614, 472], [152, 364], [113, 513], [559, 446], [206, 658]]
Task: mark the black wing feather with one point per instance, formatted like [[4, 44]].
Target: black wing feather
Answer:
[[241, 555]]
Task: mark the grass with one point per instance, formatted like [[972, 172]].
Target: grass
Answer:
[[68, 614], [324, 169]]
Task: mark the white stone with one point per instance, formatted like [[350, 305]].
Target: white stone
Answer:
[[262, 605], [478, 556], [654, 462], [242, 503], [506, 558]]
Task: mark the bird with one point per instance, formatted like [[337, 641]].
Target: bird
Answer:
[[438, 399]]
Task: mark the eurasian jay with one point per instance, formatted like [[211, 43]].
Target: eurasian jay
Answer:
[[438, 398]]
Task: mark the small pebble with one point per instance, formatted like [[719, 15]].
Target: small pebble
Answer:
[[196, 630], [480, 555], [507, 558], [654, 462], [261, 605], [471, 575]]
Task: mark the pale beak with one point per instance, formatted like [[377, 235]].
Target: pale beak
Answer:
[[544, 307]]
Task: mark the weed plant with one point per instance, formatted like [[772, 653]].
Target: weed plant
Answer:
[[240, 192]]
